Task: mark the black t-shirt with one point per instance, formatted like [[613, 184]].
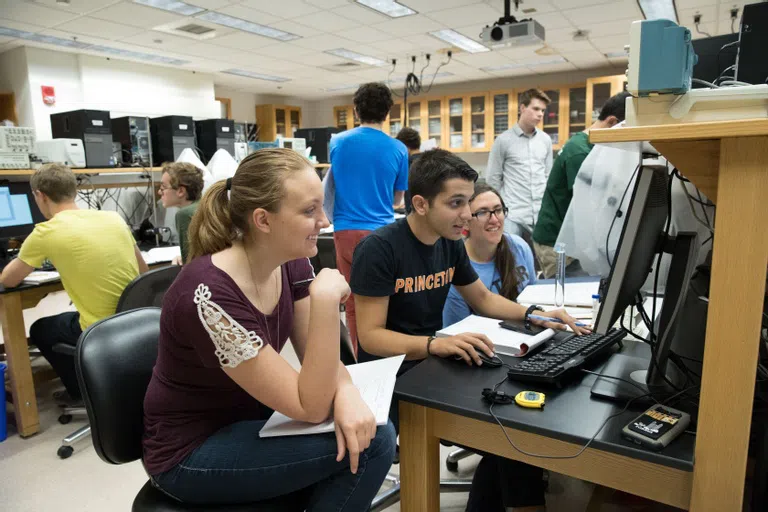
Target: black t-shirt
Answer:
[[392, 262]]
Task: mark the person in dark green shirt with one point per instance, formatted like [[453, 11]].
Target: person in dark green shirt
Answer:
[[559, 191], [181, 186]]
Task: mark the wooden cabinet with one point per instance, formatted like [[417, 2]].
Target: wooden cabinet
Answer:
[[345, 117], [467, 123], [598, 91], [277, 121], [434, 120], [394, 121]]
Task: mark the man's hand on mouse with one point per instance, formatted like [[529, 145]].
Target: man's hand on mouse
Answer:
[[464, 346]]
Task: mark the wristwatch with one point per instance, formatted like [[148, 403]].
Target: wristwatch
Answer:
[[527, 318], [429, 342]]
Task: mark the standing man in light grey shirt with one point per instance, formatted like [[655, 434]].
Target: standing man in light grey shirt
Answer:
[[519, 165]]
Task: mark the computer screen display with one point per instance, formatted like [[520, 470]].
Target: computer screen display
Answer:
[[18, 211]]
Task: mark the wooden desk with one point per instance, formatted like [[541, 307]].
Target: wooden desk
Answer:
[[727, 162], [12, 303]]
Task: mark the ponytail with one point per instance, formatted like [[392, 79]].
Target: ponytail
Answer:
[[211, 229], [506, 266]]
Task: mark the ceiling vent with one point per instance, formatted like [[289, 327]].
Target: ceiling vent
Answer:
[[183, 28], [195, 29]]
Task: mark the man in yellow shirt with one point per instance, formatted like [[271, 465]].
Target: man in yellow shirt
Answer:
[[94, 253]]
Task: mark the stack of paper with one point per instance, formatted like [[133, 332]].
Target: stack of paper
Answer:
[[506, 342], [374, 380], [161, 254], [41, 277], [576, 294]]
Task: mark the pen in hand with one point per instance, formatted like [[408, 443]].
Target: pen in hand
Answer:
[[555, 320], [303, 281]]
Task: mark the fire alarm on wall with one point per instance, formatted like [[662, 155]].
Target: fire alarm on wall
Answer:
[[49, 95]]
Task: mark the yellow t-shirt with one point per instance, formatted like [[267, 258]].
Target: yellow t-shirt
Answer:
[[93, 251]]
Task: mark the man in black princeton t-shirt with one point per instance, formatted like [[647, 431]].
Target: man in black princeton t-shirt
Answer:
[[400, 277]]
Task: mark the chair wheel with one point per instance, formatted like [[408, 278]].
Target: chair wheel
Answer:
[[64, 452], [453, 467], [65, 418]]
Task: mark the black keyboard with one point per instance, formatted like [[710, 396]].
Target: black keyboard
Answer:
[[554, 363]]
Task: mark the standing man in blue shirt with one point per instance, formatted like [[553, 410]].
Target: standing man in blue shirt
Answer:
[[370, 173]]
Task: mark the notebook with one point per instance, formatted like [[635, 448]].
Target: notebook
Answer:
[[576, 294], [41, 277], [376, 382], [161, 254], [511, 343]]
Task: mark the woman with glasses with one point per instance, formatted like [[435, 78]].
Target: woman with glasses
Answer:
[[504, 262]]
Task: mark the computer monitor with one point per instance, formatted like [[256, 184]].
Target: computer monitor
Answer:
[[642, 238], [18, 211]]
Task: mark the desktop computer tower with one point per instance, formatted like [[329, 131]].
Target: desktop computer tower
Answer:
[[93, 127], [751, 64], [170, 136], [320, 141], [132, 133], [215, 134]]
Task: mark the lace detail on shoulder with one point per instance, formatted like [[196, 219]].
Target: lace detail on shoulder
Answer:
[[234, 344]]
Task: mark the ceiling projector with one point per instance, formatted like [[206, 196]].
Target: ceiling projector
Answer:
[[507, 31]]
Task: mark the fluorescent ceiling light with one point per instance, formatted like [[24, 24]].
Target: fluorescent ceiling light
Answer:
[[503, 67], [357, 57], [658, 9], [617, 55], [555, 60], [388, 7], [172, 5], [258, 76], [247, 26], [70, 43], [460, 41]]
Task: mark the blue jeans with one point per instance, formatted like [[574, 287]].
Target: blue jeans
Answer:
[[235, 465]]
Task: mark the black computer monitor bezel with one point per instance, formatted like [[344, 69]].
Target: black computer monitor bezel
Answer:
[[22, 230]]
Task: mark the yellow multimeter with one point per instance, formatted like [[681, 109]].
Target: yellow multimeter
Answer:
[[530, 399]]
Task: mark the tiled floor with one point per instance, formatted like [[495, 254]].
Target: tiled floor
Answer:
[[34, 479]]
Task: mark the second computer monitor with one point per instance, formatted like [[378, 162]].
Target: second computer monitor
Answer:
[[18, 211]]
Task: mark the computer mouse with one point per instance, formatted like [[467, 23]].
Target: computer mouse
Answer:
[[488, 362]]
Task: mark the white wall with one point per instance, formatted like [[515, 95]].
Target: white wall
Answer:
[[13, 78], [121, 87]]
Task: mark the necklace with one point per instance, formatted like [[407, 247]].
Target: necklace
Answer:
[[261, 303]]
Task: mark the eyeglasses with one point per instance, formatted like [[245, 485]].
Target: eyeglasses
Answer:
[[163, 187], [485, 215]]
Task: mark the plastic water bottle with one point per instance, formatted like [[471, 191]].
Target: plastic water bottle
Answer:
[[595, 307], [560, 275]]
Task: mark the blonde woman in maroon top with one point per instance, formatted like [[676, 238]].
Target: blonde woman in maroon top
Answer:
[[247, 289]]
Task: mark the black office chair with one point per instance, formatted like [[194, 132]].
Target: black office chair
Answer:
[[145, 290], [114, 360]]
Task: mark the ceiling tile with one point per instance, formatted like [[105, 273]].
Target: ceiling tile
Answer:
[[559, 35], [394, 46], [505, 73], [583, 56], [295, 28], [553, 20], [360, 14], [610, 43], [212, 4], [287, 9], [242, 41], [540, 6], [480, 14], [611, 28], [479, 60], [692, 4], [99, 28], [708, 14], [210, 51], [17, 25], [248, 14], [570, 4], [209, 65], [327, 21], [616, 10], [427, 43], [33, 14], [284, 51], [327, 4], [136, 15], [324, 42], [553, 68], [573, 46], [409, 25], [364, 35], [424, 6], [169, 42], [82, 38], [77, 6]]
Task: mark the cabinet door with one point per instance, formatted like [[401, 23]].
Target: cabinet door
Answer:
[[599, 90], [295, 120], [577, 105], [395, 123], [503, 108], [340, 115], [416, 117], [434, 121], [454, 129], [281, 117], [478, 122], [550, 124]]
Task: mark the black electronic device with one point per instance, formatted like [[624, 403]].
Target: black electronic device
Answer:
[[560, 360], [215, 134], [18, 211], [170, 136], [751, 64], [713, 57], [320, 141], [656, 427], [642, 239], [93, 127], [133, 135]]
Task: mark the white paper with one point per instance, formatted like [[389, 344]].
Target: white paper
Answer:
[[41, 276], [506, 342], [161, 254], [375, 381], [576, 294]]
